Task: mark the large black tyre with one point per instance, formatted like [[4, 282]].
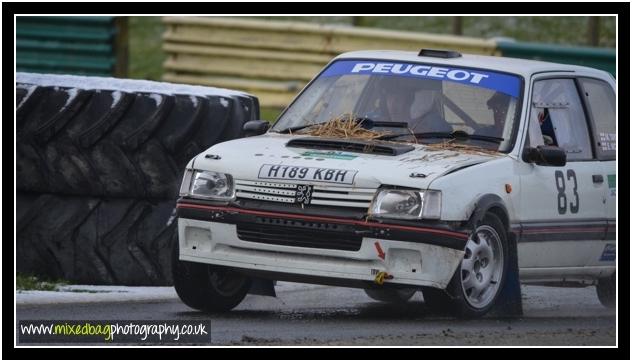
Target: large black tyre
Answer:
[[117, 143], [606, 291], [95, 241], [207, 288], [46, 228], [394, 296], [98, 167], [241, 112], [480, 277]]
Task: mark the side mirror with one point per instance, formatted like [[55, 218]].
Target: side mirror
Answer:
[[545, 156], [255, 128]]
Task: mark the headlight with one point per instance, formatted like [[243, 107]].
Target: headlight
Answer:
[[207, 185], [407, 204]]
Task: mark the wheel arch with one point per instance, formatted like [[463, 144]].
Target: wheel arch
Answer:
[[490, 203]]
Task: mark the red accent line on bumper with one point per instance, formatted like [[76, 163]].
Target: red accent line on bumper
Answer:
[[324, 219]]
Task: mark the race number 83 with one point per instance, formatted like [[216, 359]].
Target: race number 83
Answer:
[[562, 200]]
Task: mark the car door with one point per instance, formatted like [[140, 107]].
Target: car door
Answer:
[[599, 98], [562, 209]]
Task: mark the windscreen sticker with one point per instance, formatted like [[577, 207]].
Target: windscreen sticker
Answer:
[[609, 253], [608, 141], [300, 173], [480, 78]]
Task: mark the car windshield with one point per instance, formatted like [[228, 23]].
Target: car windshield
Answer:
[[480, 106]]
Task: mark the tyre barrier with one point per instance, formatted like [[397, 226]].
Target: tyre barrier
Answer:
[[91, 240], [116, 138], [99, 163]]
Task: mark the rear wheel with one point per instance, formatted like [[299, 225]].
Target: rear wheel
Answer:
[[391, 295], [206, 287], [606, 291]]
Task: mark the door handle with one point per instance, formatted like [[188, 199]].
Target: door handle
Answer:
[[597, 179]]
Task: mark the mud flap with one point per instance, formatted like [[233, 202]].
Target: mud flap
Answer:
[[262, 287], [509, 302]]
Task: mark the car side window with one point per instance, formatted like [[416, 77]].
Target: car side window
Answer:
[[600, 102], [557, 118]]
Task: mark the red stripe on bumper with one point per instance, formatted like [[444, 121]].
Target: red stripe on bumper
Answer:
[[324, 219]]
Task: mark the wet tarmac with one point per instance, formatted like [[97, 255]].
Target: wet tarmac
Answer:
[[318, 315]]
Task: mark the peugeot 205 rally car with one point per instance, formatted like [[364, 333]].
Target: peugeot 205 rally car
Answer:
[[472, 164]]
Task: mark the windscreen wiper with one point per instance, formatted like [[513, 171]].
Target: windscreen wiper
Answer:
[[369, 124], [458, 135], [296, 128]]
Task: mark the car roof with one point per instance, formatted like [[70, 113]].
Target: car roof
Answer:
[[523, 67]]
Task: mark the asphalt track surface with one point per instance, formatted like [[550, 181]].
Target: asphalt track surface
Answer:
[[319, 315]]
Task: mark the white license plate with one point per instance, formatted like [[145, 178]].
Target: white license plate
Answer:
[[314, 174]]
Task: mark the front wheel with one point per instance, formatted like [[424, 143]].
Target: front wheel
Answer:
[[606, 291], [208, 288], [480, 277]]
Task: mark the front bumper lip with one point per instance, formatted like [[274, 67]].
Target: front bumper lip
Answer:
[[409, 264], [427, 235]]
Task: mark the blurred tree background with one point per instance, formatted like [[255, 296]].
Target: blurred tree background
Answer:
[[145, 47]]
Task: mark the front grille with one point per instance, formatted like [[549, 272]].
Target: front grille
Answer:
[[299, 233], [323, 195]]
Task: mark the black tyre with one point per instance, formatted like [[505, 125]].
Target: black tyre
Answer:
[[105, 143], [606, 291], [437, 300], [480, 277], [88, 240], [391, 295], [208, 288]]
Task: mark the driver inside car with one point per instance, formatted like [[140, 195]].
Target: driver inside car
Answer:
[[498, 104], [414, 103]]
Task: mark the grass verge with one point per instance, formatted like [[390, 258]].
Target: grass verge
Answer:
[[31, 282]]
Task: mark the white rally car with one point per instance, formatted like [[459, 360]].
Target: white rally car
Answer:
[[478, 173]]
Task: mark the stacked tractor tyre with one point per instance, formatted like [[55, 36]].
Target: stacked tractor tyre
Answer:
[[99, 163]]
